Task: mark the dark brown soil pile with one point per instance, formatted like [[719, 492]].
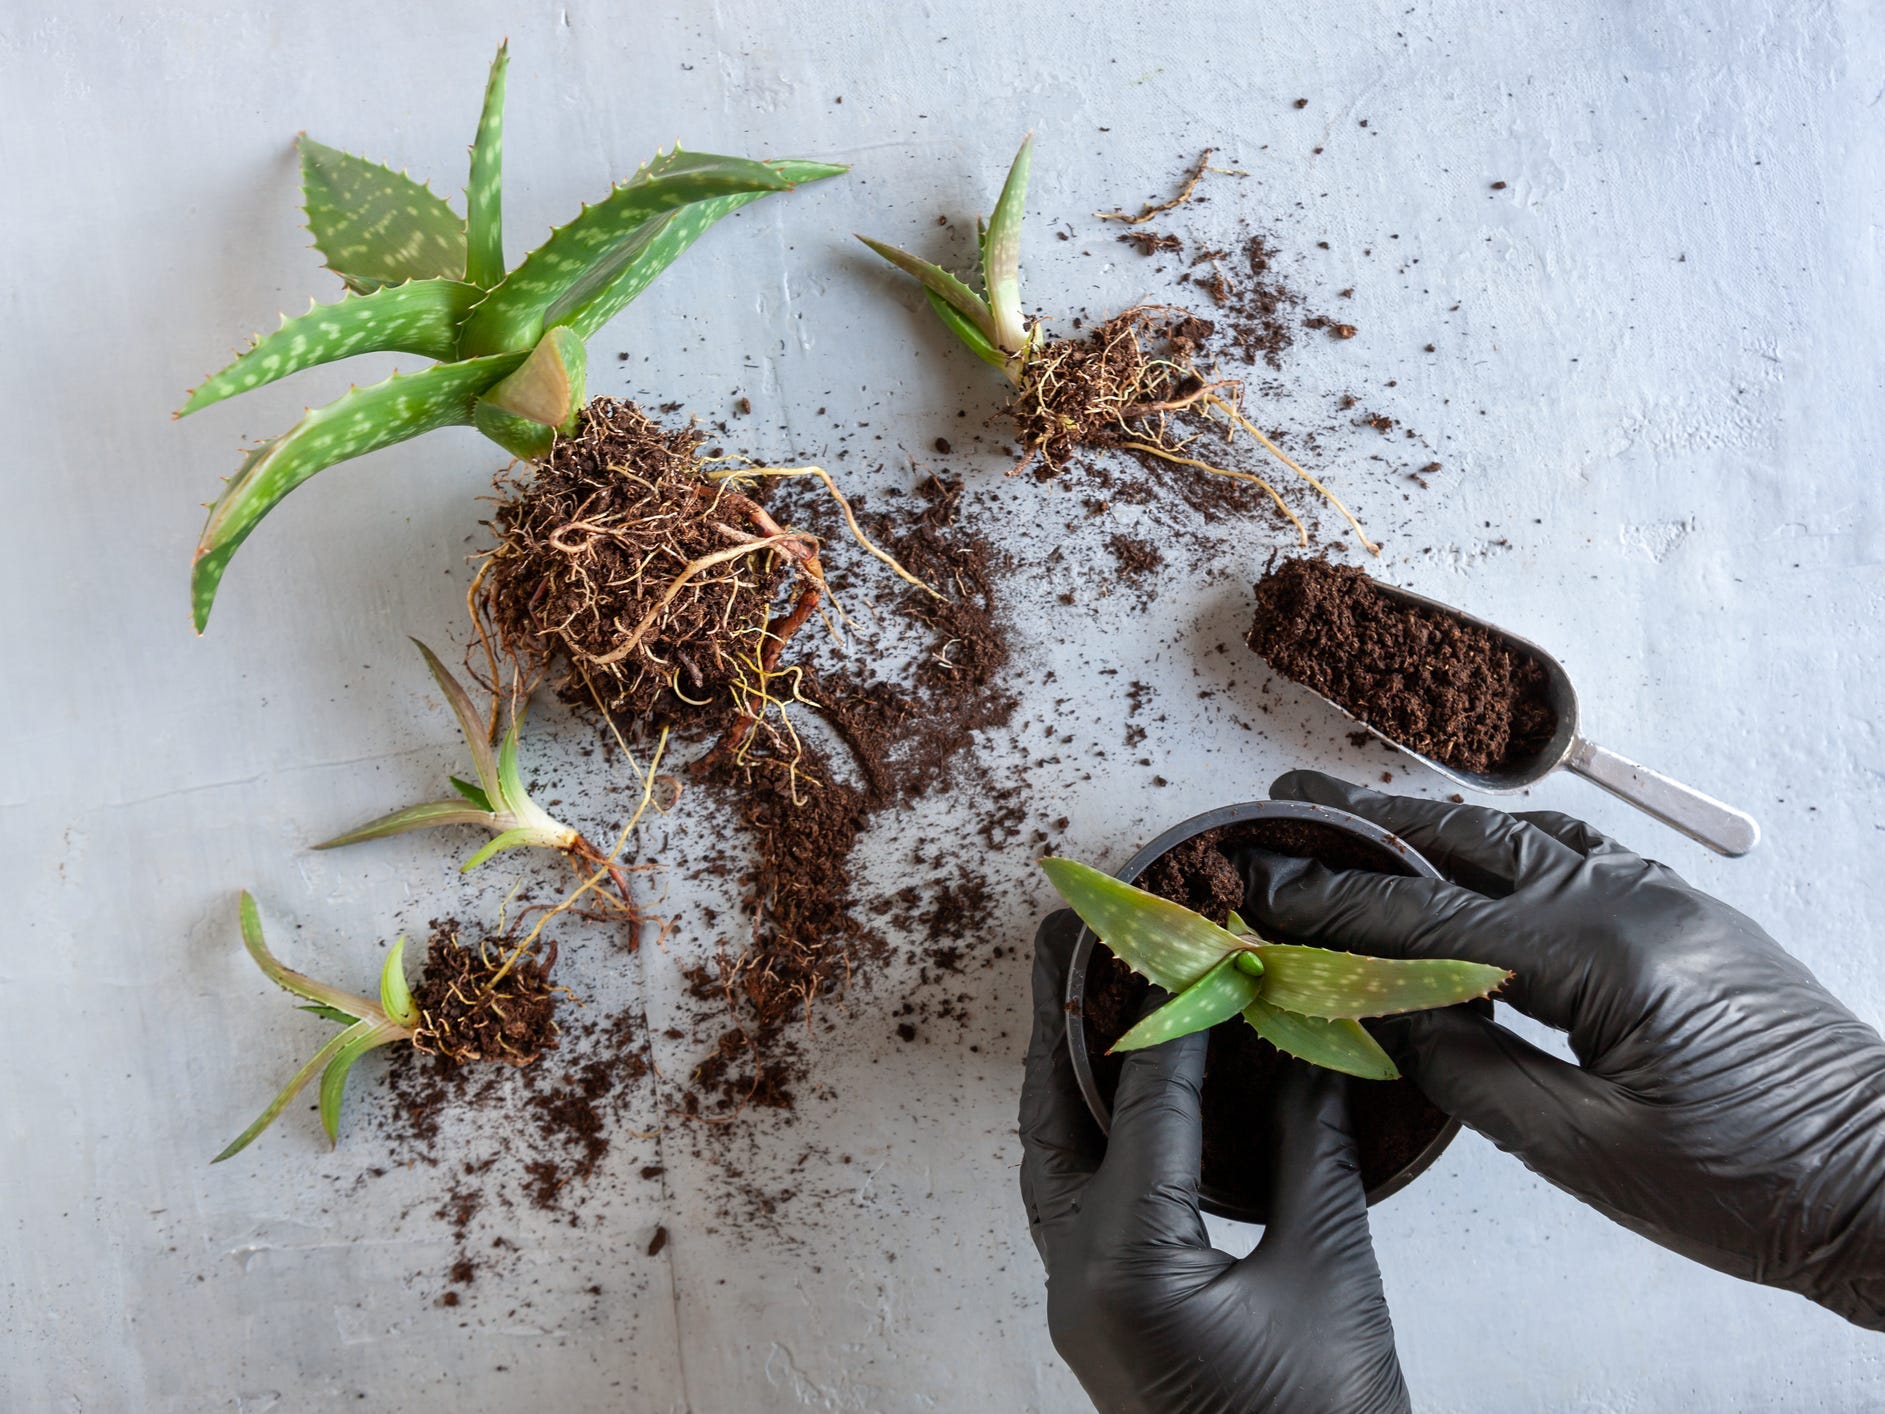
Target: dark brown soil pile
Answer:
[[646, 588], [486, 1004], [1444, 687], [1394, 1122]]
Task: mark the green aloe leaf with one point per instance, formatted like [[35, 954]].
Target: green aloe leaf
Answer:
[[413, 817], [1324, 983], [1338, 1044], [1001, 254], [420, 316], [1217, 996], [285, 977], [1234, 923], [609, 288], [515, 313], [940, 282], [477, 737], [289, 1091], [375, 226], [976, 340], [395, 996], [1156, 938], [519, 436], [475, 794], [329, 1013], [357, 1042], [359, 421], [484, 193], [510, 780], [497, 844], [550, 386]]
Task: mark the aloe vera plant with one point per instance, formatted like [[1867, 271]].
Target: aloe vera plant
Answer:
[[366, 1026], [497, 801], [1307, 1002], [991, 324], [508, 346]]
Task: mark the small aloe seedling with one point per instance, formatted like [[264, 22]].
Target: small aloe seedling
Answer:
[[1307, 1002], [509, 350], [991, 324], [1121, 385], [497, 801], [494, 1003], [367, 1025]]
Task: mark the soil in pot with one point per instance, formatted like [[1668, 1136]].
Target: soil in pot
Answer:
[[1431, 681], [1394, 1122]]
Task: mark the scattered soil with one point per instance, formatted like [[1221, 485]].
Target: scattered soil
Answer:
[[1433, 682], [1394, 1122]]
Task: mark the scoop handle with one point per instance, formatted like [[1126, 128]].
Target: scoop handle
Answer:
[[1701, 817]]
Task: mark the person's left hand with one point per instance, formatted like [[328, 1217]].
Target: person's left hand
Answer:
[[1148, 1314]]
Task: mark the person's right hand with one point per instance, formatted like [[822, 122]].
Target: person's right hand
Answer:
[[1723, 1104]]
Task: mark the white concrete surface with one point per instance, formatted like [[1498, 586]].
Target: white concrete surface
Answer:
[[1659, 410]]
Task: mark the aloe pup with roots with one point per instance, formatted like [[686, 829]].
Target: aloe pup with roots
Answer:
[[508, 345], [1307, 1002], [1129, 384]]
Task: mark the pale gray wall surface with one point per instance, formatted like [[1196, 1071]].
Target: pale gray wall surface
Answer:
[[1658, 408]]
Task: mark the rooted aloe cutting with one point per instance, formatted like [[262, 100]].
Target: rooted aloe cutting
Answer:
[[508, 344], [1130, 384], [492, 1004], [1307, 1002]]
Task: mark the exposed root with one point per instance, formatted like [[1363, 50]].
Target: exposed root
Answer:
[[1150, 210], [471, 1009]]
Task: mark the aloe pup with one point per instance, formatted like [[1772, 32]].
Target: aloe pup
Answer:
[[1307, 1002], [1128, 384], [467, 1013], [508, 345]]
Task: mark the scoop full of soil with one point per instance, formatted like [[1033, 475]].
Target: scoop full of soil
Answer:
[[1428, 679], [1395, 1125]]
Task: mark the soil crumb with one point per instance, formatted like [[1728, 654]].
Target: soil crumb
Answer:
[[1443, 687]]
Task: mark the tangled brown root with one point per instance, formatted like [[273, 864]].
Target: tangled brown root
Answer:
[[645, 587], [486, 1005]]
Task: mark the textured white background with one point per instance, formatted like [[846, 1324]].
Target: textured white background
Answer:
[[1660, 389]]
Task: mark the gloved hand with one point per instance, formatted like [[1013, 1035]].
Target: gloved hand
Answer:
[[1149, 1315], [1723, 1104]]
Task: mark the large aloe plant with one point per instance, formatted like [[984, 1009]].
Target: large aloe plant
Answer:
[[1307, 1002], [508, 345]]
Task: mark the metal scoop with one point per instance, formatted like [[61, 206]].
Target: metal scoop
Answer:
[[1701, 817]]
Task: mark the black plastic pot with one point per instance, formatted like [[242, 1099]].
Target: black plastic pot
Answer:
[[1232, 1199]]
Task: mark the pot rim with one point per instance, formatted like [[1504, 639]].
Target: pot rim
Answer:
[[1418, 866]]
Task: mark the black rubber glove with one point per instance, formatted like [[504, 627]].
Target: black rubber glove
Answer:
[[1149, 1315], [1724, 1105]]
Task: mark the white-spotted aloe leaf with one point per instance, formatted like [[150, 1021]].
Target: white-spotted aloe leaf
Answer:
[[516, 312], [358, 1041], [484, 191], [361, 420], [1158, 939], [420, 317], [1338, 1044], [1324, 983], [1001, 255], [940, 283], [610, 287], [375, 226], [1217, 996]]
